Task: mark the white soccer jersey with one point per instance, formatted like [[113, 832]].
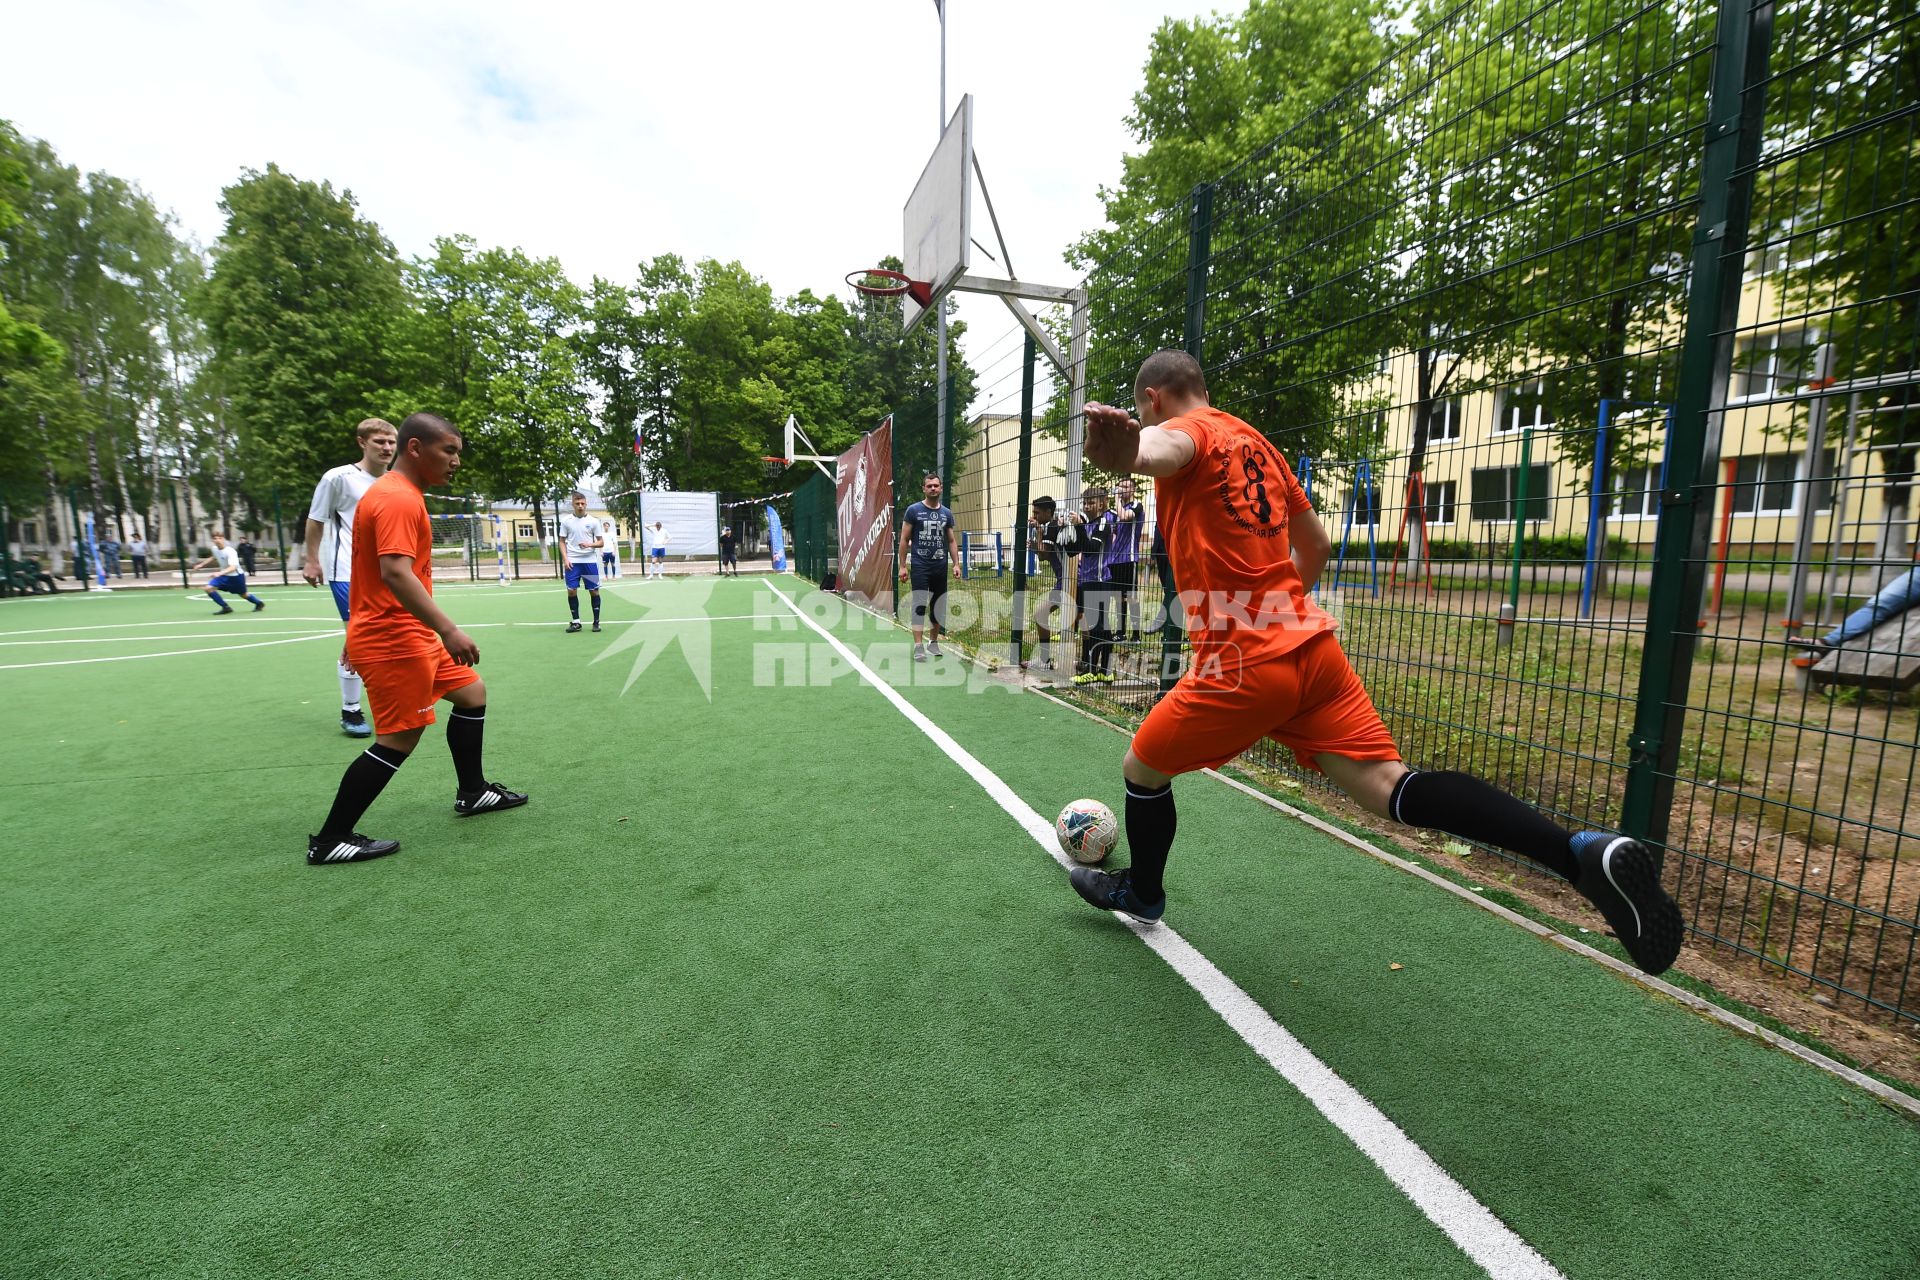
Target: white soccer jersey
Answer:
[[580, 533], [226, 560], [657, 538], [335, 499]]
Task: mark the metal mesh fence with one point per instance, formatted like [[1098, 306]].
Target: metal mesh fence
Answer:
[[1590, 326]]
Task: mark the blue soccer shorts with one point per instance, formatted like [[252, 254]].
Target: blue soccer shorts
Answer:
[[585, 574], [341, 591]]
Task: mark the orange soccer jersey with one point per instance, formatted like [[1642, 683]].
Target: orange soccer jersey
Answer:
[[391, 520], [1225, 516], [1264, 663]]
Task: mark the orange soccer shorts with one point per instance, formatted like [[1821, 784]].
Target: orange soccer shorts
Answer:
[[401, 691], [1310, 700]]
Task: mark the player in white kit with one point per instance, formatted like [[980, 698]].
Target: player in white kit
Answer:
[[330, 545], [580, 535]]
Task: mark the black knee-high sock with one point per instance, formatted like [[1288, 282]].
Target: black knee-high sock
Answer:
[[1150, 824], [465, 727], [365, 778], [573, 605], [1465, 806], [596, 606]]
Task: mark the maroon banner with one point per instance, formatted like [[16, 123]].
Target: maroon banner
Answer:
[[863, 497]]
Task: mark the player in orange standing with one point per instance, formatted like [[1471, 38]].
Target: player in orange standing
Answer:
[[1246, 548], [408, 652]]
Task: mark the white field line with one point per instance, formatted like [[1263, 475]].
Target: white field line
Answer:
[[190, 622], [171, 653], [1813, 1057], [1448, 1205], [177, 635]]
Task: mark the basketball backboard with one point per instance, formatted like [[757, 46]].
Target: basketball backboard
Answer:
[[938, 219]]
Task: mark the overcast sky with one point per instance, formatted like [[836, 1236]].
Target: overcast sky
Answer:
[[784, 135]]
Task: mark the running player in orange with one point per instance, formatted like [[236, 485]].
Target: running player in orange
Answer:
[[1246, 548], [409, 653]]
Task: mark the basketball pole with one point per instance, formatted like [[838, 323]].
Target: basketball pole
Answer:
[[940, 319]]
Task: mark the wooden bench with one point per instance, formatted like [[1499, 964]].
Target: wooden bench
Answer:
[[1888, 658]]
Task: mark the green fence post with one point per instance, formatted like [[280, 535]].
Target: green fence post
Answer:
[[1022, 479], [1199, 264], [6, 553], [1520, 521], [179, 533], [1736, 108], [280, 536], [79, 542]]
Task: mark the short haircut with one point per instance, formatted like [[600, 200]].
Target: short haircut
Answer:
[[580, 495], [1098, 491], [427, 427], [931, 475], [1043, 503], [1170, 370], [370, 427]]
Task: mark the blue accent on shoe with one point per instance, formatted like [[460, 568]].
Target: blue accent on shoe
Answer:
[[1113, 891]]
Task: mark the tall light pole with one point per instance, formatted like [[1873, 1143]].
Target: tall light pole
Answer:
[[940, 319]]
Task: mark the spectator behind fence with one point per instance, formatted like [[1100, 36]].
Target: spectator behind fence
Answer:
[[1043, 535], [246, 552], [1123, 559], [110, 555], [138, 550], [1093, 533], [1892, 600]]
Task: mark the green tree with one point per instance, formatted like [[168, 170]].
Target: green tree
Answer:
[[1252, 104], [1837, 230], [32, 362], [304, 308], [500, 327], [86, 258]]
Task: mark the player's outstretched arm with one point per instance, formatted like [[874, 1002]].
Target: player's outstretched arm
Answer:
[[1311, 546], [397, 573], [311, 569], [1116, 442]]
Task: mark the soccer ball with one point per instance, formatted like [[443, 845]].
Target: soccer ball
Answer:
[[1086, 831]]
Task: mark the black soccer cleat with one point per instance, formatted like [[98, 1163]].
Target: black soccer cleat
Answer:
[[1618, 874], [353, 848], [258, 605], [596, 626], [223, 609], [573, 626], [354, 724], [1113, 891], [487, 799]]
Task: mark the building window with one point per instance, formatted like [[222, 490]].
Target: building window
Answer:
[[1524, 406], [1443, 420], [1496, 492], [1770, 484], [1363, 508], [1442, 497], [1763, 485], [1770, 364], [1636, 493], [524, 529]]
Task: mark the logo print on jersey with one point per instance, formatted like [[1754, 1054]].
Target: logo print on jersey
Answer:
[[1253, 469], [1245, 495]]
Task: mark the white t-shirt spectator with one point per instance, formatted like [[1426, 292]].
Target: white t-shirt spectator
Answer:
[[656, 538]]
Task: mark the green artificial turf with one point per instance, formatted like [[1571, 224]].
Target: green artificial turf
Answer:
[[760, 984]]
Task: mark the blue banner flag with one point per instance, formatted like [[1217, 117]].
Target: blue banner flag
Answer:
[[776, 541]]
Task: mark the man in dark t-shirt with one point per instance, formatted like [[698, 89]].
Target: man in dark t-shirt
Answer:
[[1123, 558], [728, 559], [930, 555], [1043, 535]]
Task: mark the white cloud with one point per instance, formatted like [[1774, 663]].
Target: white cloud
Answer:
[[786, 136]]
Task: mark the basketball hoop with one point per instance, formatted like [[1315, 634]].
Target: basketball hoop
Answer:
[[897, 283]]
